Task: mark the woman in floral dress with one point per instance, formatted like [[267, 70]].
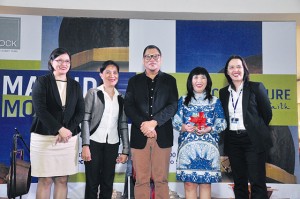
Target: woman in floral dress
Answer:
[[199, 119]]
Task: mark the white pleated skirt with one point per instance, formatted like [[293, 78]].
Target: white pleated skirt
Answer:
[[49, 159]]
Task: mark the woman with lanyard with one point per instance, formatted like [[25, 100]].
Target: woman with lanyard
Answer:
[[247, 138]]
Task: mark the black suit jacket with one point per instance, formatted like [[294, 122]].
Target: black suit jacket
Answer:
[[50, 116], [257, 114], [164, 108]]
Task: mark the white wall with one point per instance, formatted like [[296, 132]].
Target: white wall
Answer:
[[191, 6], [262, 10]]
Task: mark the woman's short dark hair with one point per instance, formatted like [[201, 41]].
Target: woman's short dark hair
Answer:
[[246, 70], [189, 84], [151, 47], [108, 62], [56, 53]]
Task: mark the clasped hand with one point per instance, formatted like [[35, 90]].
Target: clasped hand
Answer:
[[148, 129], [193, 129], [64, 135]]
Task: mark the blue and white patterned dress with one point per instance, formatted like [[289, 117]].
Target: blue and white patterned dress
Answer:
[[198, 157]]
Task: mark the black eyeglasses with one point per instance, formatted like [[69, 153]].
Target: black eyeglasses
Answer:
[[149, 57]]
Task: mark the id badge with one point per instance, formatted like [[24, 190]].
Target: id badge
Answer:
[[234, 123]]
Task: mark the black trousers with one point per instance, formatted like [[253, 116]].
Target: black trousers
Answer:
[[247, 165], [100, 171]]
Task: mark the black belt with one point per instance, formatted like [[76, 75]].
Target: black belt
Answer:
[[238, 132]]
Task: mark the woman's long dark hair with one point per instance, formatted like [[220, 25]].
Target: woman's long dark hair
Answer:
[[246, 70], [189, 84]]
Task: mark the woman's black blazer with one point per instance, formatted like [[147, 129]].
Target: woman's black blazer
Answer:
[[50, 115], [257, 114]]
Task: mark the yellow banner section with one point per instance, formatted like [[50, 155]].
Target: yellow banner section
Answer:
[[16, 106], [119, 177], [282, 92], [20, 64], [118, 54]]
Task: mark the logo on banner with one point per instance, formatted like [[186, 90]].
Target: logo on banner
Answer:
[[10, 31]]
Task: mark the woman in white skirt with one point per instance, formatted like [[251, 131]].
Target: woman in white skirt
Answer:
[[59, 108]]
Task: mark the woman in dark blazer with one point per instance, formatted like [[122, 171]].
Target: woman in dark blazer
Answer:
[[59, 107], [247, 138]]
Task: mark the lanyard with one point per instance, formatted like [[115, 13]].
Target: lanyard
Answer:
[[234, 105]]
